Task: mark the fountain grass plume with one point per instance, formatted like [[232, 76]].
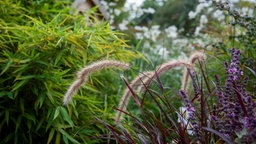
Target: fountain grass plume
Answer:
[[83, 74], [200, 56], [161, 69], [145, 78]]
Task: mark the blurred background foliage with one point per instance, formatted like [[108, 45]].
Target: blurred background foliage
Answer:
[[42, 47]]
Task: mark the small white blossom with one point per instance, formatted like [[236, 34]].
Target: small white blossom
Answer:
[[112, 4], [123, 25], [139, 35], [171, 32], [203, 20], [117, 12], [180, 42], [197, 31], [183, 117], [149, 10], [141, 28], [219, 15], [191, 15], [162, 51]]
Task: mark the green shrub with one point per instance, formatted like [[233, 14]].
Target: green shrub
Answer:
[[40, 52]]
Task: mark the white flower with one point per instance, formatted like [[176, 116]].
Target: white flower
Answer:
[[192, 15], [149, 10], [183, 119], [162, 51], [112, 4], [203, 20], [233, 1], [123, 25], [180, 42], [139, 12], [139, 35], [201, 6], [171, 32], [219, 15], [244, 11], [197, 31], [152, 33], [117, 12], [141, 28]]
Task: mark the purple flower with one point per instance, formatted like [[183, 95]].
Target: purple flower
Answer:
[[246, 122], [232, 70]]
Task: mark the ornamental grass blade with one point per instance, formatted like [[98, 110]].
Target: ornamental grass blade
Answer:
[[226, 139], [117, 134], [127, 135], [131, 90]]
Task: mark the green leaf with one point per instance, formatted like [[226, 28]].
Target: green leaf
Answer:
[[39, 102], [57, 140], [65, 139], [58, 58], [66, 116], [68, 136], [3, 93], [57, 112], [39, 125], [17, 123], [51, 134], [7, 116], [30, 117], [10, 95], [19, 84], [7, 66], [138, 45]]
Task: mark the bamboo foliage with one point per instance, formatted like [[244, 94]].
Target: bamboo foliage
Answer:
[[41, 47]]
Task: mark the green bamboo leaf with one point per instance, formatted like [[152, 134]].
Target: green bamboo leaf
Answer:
[[29, 77], [68, 136], [51, 134], [57, 140], [30, 117], [7, 116], [50, 96], [39, 102], [7, 66], [3, 93], [19, 84], [56, 113], [58, 58], [22, 106], [66, 116], [17, 123], [39, 125], [63, 72], [65, 139]]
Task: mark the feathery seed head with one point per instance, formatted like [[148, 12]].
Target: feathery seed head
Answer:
[[83, 74]]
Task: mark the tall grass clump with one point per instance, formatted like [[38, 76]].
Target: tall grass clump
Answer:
[[215, 112], [42, 46]]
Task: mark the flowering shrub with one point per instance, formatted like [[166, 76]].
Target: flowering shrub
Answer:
[[234, 114]]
